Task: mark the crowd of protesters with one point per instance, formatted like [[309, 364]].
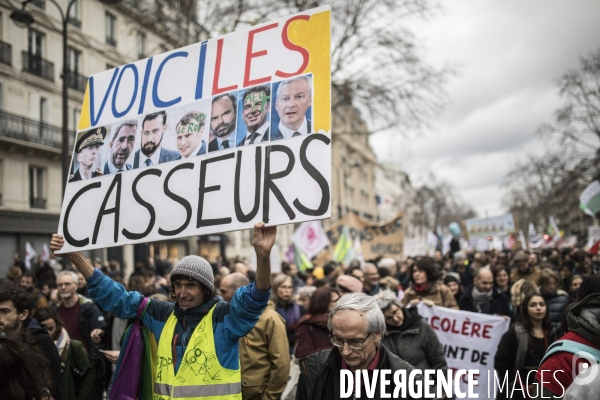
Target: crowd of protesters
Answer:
[[536, 290]]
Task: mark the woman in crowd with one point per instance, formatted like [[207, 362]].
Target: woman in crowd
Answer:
[[409, 336], [77, 375], [501, 278], [523, 346], [312, 334], [13, 277], [426, 287], [304, 295], [452, 280], [519, 290], [23, 368], [574, 285], [556, 299], [282, 292]]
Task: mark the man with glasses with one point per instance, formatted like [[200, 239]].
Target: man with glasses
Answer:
[[356, 326]]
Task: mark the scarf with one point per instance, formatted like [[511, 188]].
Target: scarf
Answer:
[[421, 289], [481, 297], [62, 344]]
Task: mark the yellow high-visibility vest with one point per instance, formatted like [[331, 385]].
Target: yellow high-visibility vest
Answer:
[[200, 374]]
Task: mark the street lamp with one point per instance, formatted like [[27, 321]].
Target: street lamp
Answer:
[[24, 18]]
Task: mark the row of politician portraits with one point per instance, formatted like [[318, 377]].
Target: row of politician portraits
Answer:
[[229, 120]]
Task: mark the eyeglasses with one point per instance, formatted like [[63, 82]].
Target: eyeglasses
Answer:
[[391, 317], [354, 344]]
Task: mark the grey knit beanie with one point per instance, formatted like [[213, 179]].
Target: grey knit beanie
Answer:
[[196, 268]]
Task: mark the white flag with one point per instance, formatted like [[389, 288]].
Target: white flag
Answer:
[[535, 239], [30, 253], [522, 239], [310, 238], [45, 253]]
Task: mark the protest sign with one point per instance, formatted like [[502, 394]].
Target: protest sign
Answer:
[[386, 240], [310, 238], [209, 138], [485, 227], [470, 341]]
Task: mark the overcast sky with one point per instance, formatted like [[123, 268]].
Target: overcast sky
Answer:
[[509, 54]]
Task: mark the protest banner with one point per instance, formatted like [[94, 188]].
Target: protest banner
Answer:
[[470, 341], [485, 227], [386, 239], [208, 138]]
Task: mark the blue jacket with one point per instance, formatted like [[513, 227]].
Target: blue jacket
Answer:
[[231, 320]]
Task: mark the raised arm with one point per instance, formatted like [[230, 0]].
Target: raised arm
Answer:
[[82, 264], [263, 241]]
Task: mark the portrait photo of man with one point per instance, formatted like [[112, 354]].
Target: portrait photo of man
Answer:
[[293, 98], [151, 152], [190, 133], [255, 104], [121, 147], [87, 149], [223, 117]]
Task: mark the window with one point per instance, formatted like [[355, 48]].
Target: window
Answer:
[[75, 120], [73, 60], [43, 109], [35, 43], [37, 187], [74, 17], [141, 45], [111, 24]]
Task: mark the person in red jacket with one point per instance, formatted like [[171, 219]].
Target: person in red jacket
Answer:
[[312, 334]]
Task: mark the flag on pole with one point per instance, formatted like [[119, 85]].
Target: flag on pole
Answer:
[[45, 253], [310, 238], [535, 239], [300, 259], [553, 230], [344, 248], [589, 200], [30, 253]]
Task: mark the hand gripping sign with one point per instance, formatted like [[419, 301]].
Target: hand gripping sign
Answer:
[[212, 137]]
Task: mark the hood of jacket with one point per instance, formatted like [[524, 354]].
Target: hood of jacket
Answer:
[[319, 320], [411, 322], [584, 318]]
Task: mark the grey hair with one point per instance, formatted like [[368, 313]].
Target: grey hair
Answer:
[[306, 78], [362, 303], [72, 274], [306, 291], [387, 262], [130, 123], [385, 299]]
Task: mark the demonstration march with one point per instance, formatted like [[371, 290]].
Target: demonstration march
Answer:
[[238, 204]]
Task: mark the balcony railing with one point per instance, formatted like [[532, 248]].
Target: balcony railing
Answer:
[[29, 130], [39, 3], [76, 22], [37, 202], [5, 53], [38, 66], [76, 81], [111, 40]]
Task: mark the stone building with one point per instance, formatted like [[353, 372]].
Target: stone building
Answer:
[[101, 35]]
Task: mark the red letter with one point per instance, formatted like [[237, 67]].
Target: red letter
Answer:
[[433, 321], [216, 89], [475, 329], [454, 327], [486, 331], [250, 55], [292, 46]]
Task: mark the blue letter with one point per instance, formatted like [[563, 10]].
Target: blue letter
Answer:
[[135, 87], [201, 63], [145, 85], [158, 102], [95, 119]]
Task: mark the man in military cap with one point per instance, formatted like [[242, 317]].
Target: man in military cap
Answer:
[[87, 149]]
